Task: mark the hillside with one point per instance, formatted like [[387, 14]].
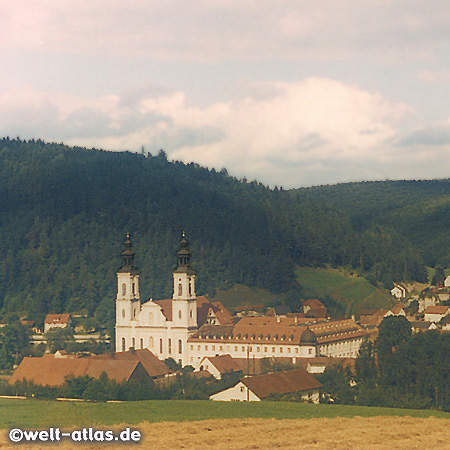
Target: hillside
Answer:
[[64, 213], [353, 292], [418, 210]]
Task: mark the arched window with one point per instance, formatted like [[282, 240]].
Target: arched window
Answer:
[[134, 289], [150, 342], [160, 346], [170, 346], [179, 314], [123, 344], [142, 343], [123, 313], [133, 341], [190, 288], [124, 289], [190, 313], [180, 346], [180, 290]]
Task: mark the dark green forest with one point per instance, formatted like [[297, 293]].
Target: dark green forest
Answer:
[[64, 214]]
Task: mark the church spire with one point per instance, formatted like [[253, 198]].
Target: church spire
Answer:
[[128, 256], [184, 254]]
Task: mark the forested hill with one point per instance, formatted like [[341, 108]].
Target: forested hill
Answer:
[[64, 213], [419, 210]]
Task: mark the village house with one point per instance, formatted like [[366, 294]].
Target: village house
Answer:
[[57, 321], [435, 313], [52, 370], [399, 291], [258, 387]]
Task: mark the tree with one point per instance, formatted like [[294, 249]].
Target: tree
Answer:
[[438, 277], [14, 340]]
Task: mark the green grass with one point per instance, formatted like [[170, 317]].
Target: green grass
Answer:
[[37, 414], [353, 292]]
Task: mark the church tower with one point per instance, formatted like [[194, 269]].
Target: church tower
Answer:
[[184, 304], [128, 299]]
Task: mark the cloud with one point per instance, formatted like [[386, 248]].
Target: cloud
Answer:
[[218, 30], [435, 135], [281, 133]]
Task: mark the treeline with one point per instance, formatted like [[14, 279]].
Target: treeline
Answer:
[[64, 213], [400, 370]]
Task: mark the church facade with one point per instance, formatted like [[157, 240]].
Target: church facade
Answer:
[[188, 327]]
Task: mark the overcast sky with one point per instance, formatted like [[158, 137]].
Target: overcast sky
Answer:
[[291, 93]]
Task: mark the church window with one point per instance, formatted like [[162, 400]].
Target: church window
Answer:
[[190, 313], [179, 314], [243, 349], [123, 313], [235, 348], [273, 349], [206, 347], [296, 350], [221, 349], [213, 348], [289, 350], [123, 344], [180, 346], [198, 347], [142, 343], [265, 349], [150, 342], [170, 345], [281, 349], [124, 289], [250, 349], [257, 349], [180, 290], [133, 343], [134, 289], [160, 346], [190, 289], [134, 313], [192, 347]]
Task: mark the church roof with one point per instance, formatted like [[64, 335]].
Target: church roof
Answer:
[[166, 306]]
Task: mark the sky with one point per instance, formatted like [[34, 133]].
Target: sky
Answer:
[[289, 93]]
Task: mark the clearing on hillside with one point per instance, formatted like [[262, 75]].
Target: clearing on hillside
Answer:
[[353, 292]]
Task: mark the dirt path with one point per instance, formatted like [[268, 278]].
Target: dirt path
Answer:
[[378, 433]]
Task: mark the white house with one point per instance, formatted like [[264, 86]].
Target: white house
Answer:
[[256, 388], [435, 313], [56, 321], [399, 291]]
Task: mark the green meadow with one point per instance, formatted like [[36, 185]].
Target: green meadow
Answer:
[[353, 292], [36, 414]]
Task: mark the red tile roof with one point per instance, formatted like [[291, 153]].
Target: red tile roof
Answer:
[[153, 366], [281, 383], [57, 318], [53, 371]]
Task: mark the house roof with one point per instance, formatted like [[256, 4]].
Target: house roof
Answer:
[[53, 371], [436, 310], [313, 303], [224, 363], [152, 365], [397, 309], [281, 383], [57, 318]]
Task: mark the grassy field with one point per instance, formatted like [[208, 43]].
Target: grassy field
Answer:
[[37, 413], [354, 293]]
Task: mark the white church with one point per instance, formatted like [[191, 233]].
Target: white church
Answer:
[[162, 326], [188, 328]]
